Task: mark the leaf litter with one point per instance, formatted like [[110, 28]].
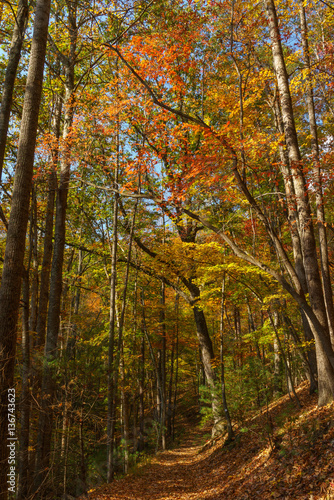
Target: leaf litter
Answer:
[[279, 453]]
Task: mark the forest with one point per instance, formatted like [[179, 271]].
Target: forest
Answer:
[[166, 238]]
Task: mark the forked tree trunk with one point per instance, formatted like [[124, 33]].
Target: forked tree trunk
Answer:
[[15, 246]]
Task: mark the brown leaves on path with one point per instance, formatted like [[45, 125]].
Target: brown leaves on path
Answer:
[[284, 453]]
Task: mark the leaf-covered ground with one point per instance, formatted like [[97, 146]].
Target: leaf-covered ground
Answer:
[[282, 452]]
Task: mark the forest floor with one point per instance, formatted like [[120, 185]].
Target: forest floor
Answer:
[[282, 452]]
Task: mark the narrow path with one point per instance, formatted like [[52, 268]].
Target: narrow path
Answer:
[[175, 474], [301, 468]]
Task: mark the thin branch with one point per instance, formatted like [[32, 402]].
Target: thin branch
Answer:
[[125, 193], [327, 4]]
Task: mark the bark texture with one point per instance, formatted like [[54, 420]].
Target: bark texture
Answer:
[[306, 231], [10, 75], [13, 262]]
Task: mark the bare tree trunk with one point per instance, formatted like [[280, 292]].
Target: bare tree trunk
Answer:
[[48, 231], [112, 320], [251, 327], [34, 264], [296, 243], [304, 357], [177, 365], [53, 322], [141, 443], [323, 349], [207, 356], [237, 331], [83, 473], [153, 358], [230, 432], [116, 362], [15, 246], [26, 348], [14, 56], [125, 415], [325, 272], [163, 367], [288, 371], [170, 393], [23, 463]]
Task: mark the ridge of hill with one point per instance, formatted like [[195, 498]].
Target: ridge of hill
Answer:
[[281, 452]]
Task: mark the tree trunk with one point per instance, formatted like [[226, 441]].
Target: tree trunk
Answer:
[[15, 246], [170, 393], [207, 356], [304, 356], [83, 474], [48, 231], [230, 432], [323, 351], [141, 442], [23, 467], [163, 367], [56, 280], [274, 323], [125, 415], [14, 56], [177, 364], [325, 273]]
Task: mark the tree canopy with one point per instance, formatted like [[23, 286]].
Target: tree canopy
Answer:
[[166, 232]]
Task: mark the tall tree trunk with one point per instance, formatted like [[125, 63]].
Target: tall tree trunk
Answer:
[[53, 321], [83, 473], [23, 462], [325, 273], [163, 367], [304, 356], [125, 415], [230, 432], [274, 322], [48, 230], [26, 348], [296, 244], [237, 332], [177, 365], [153, 358], [14, 56], [323, 350], [112, 321], [170, 393], [116, 361], [141, 443], [207, 356], [15, 246]]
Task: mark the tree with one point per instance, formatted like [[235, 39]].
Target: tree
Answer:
[[15, 245]]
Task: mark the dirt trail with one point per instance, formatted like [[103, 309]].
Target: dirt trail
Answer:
[[175, 474], [301, 468]]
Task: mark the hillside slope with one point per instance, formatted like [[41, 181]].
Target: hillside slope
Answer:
[[281, 452]]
